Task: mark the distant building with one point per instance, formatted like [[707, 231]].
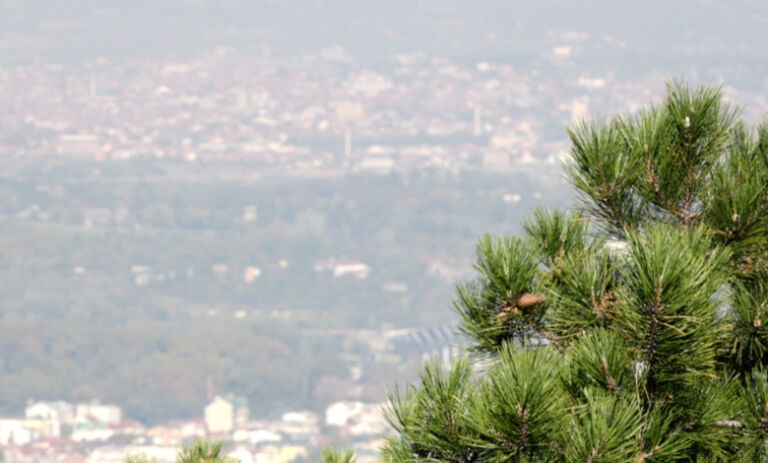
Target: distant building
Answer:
[[378, 164], [343, 267], [14, 432], [219, 416], [338, 413], [300, 417], [251, 273], [355, 269], [98, 413], [224, 414], [79, 145], [177, 431], [91, 432], [40, 453], [256, 436], [118, 454], [43, 427], [356, 417], [241, 454], [61, 411], [279, 454]]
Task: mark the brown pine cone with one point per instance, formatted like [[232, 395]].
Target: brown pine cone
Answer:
[[529, 300]]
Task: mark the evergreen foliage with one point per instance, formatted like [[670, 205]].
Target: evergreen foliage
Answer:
[[203, 451], [338, 456], [630, 330]]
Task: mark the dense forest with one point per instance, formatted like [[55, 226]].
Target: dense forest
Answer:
[[117, 278]]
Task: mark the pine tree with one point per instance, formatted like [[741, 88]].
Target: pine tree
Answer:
[[628, 330], [203, 451], [338, 456]]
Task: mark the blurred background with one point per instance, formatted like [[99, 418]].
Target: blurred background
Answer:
[[261, 207]]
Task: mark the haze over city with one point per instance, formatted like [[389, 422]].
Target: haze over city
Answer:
[[245, 220]]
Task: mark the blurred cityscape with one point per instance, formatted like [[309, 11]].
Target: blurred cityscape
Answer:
[[233, 220], [311, 116], [61, 432]]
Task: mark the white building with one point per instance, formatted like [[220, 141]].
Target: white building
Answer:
[[91, 432], [219, 416], [338, 413], [14, 432], [61, 411], [343, 267], [241, 454], [95, 412], [357, 417], [118, 454], [256, 437]]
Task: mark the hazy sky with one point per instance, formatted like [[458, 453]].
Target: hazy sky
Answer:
[[461, 29]]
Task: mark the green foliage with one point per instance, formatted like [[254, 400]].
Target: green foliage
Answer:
[[202, 451], [637, 337], [600, 359], [605, 174], [654, 166], [755, 415], [338, 456], [750, 348], [522, 406], [605, 429], [507, 268], [431, 420], [582, 289], [665, 309], [556, 234]]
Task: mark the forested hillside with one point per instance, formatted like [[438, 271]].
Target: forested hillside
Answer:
[[123, 277]]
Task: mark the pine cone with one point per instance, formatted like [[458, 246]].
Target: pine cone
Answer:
[[506, 314], [529, 300]]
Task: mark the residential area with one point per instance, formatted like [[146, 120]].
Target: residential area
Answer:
[[63, 432]]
